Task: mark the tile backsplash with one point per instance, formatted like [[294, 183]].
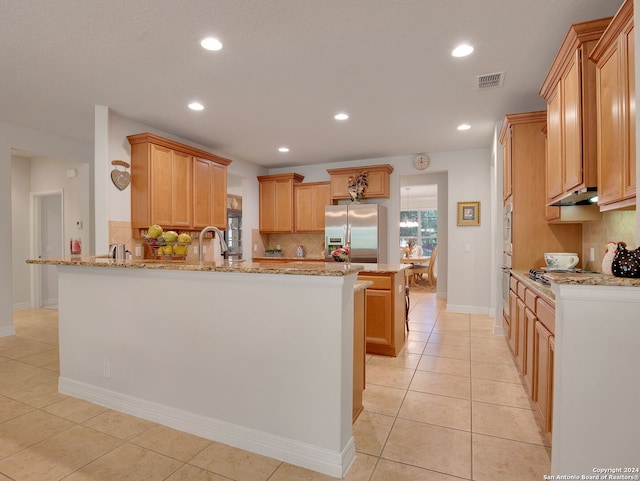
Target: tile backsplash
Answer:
[[614, 226], [313, 244]]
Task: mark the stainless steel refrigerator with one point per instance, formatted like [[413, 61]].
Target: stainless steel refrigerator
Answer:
[[363, 226]]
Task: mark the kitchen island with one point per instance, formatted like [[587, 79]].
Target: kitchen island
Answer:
[[254, 355]]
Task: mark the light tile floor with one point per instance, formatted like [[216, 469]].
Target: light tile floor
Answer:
[[450, 407]]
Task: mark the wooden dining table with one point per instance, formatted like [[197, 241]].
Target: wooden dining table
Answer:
[[423, 261]]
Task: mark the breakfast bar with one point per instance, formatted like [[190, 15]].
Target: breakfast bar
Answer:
[[255, 355]]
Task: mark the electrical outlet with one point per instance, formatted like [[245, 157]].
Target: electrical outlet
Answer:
[[467, 248], [592, 254], [277, 246], [138, 251], [255, 247], [195, 250], [106, 369]]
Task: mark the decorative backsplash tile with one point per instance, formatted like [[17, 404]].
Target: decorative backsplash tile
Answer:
[[615, 226], [313, 244]]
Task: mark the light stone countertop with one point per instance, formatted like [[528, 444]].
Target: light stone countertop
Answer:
[[291, 268], [591, 279], [361, 285]]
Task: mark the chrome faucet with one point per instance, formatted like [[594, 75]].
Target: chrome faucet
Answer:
[[223, 245]]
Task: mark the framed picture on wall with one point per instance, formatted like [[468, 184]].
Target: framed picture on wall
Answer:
[[468, 213]]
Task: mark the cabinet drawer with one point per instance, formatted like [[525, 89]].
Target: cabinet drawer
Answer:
[[513, 283], [546, 315], [530, 300], [521, 291], [382, 283]]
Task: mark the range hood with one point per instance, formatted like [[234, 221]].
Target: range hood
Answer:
[[586, 196]]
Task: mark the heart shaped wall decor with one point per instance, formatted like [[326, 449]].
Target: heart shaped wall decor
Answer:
[[120, 179]]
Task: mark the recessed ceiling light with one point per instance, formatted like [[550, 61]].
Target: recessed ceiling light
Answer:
[[462, 50], [283, 149], [211, 43], [341, 116], [464, 127], [196, 106]]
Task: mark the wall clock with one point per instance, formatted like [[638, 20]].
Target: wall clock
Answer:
[[120, 178], [421, 161]]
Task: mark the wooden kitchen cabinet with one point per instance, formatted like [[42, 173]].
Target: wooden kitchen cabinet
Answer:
[[523, 139], [569, 90], [276, 212], [533, 345], [378, 180], [359, 350], [209, 199], [166, 181], [616, 124], [385, 312], [310, 200]]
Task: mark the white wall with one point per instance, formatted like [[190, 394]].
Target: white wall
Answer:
[[20, 228], [37, 142], [468, 276]]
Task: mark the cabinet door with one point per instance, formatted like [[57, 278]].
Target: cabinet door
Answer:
[[610, 129], [379, 319], [506, 172], [630, 111], [529, 356], [209, 191], [276, 205], [571, 95], [218, 182], [554, 146], [543, 371], [181, 190], [513, 321], [310, 201], [267, 206], [521, 348], [340, 185]]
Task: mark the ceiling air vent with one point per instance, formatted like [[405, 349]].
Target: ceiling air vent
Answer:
[[489, 81]]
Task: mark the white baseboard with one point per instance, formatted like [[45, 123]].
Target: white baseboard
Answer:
[[7, 331], [332, 463], [21, 306], [499, 331], [467, 309]]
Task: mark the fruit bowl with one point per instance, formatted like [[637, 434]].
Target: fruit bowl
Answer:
[[167, 250]]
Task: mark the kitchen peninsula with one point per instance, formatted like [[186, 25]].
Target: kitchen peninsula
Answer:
[[254, 355]]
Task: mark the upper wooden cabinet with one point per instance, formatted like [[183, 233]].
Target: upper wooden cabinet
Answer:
[[209, 194], [277, 201], [616, 115], [171, 187], [310, 200], [569, 90], [378, 179], [523, 140]]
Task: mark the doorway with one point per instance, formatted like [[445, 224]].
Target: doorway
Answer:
[[47, 240]]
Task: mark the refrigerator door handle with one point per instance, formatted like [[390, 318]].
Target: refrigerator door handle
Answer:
[[347, 237]]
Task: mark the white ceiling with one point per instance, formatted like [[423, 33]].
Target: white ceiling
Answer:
[[286, 68]]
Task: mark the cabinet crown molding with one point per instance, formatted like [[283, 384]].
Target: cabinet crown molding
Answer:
[[522, 118], [578, 34], [147, 137], [293, 176], [615, 28], [369, 168]]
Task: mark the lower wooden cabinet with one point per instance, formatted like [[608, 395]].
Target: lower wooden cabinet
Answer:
[[531, 338], [385, 312], [359, 350]]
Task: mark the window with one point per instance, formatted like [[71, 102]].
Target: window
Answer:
[[421, 226]]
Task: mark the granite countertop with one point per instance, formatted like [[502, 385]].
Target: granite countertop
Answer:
[[591, 279], [361, 285], [292, 268], [542, 290]]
